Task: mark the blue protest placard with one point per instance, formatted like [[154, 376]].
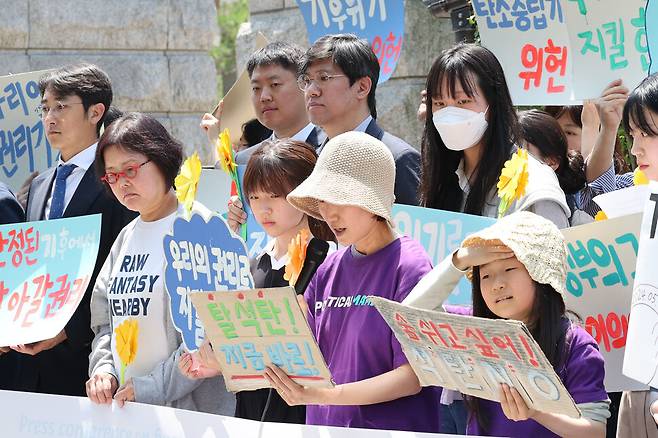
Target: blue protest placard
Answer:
[[651, 27], [202, 255], [440, 232], [45, 269], [24, 147], [381, 22]]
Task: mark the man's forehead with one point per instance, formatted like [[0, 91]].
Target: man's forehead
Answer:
[[50, 95]]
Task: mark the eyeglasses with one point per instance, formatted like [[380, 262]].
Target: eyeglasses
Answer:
[[305, 81], [44, 110], [129, 172]]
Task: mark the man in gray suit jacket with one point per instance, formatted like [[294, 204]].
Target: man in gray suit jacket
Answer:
[[339, 75]]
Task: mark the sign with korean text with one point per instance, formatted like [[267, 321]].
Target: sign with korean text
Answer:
[[601, 259], [202, 255], [608, 40], [475, 355], [641, 359], [440, 232], [530, 39], [23, 144], [46, 267], [557, 52], [651, 26], [381, 22], [249, 329]]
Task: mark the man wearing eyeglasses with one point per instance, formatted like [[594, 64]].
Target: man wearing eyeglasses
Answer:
[[73, 106], [339, 75]]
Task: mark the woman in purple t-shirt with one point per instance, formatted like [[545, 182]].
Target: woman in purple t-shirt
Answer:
[[519, 272], [351, 188]]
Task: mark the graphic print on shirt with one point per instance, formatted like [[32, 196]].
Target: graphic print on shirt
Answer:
[[131, 289]]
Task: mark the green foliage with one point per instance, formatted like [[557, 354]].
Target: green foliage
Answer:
[[229, 18], [473, 22]]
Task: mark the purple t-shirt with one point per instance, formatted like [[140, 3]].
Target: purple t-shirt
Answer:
[[582, 375], [356, 341]]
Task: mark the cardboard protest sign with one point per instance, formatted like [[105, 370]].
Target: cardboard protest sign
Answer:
[[202, 255], [249, 329], [440, 232], [24, 147], [381, 22], [474, 355], [601, 259], [608, 38], [641, 358], [46, 267], [532, 44]]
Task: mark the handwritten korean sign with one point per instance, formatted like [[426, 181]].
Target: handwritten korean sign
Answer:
[[641, 359], [23, 144], [379, 21], [202, 255], [46, 267], [440, 232], [474, 355], [251, 328], [607, 37], [557, 52], [601, 260]]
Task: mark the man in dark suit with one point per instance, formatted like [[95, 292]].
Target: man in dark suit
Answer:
[[339, 75], [73, 106], [11, 211], [276, 98]]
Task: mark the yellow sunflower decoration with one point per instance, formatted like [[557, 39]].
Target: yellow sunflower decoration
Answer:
[[600, 216], [639, 178], [296, 256], [226, 157], [187, 181], [513, 180], [126, 335]]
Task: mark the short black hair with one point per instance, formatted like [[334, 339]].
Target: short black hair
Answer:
[[87, 81], [352, 54], [644, 98], [255, 132], [284, 54], [143, 134]]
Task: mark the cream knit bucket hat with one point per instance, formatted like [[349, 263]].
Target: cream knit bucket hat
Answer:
[[355, 169], [536, 242]]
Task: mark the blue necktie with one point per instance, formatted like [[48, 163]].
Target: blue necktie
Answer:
[[59, 191]]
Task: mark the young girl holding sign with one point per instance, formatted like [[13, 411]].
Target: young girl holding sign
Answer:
[[274, 170], [136, 347], [518, 268], [351, 188]]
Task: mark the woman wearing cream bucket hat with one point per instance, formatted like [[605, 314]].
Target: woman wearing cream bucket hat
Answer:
[[518, 268], [351, 188]]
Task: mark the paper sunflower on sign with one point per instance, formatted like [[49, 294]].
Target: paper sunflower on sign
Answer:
[[187, 182], [639, 178], [600, 216], [227, 161], [296, 256], [126, 343], [513, 180]]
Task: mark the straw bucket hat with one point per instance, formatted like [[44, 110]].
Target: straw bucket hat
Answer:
[[536, 242], [355, 169]]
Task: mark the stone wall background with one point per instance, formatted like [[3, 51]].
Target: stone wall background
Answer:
[[398, 98], [156, 52]]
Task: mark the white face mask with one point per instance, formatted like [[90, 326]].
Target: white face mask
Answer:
[[460, 128]]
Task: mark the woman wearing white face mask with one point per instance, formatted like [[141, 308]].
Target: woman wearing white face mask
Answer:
[[471, 129]]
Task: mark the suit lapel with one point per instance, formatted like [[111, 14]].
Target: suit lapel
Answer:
[[39, 195], [88, 190], [374, 130]]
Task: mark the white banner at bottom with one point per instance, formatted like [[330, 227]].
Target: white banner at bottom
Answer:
[[27, 415]]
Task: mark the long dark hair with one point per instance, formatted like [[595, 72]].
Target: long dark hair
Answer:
[[644, 98], [278, 167], [468, 65], [543, 131], [549, 326]]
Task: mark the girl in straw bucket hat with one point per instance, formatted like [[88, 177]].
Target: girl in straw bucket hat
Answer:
[[518, 270], [351, 188]]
